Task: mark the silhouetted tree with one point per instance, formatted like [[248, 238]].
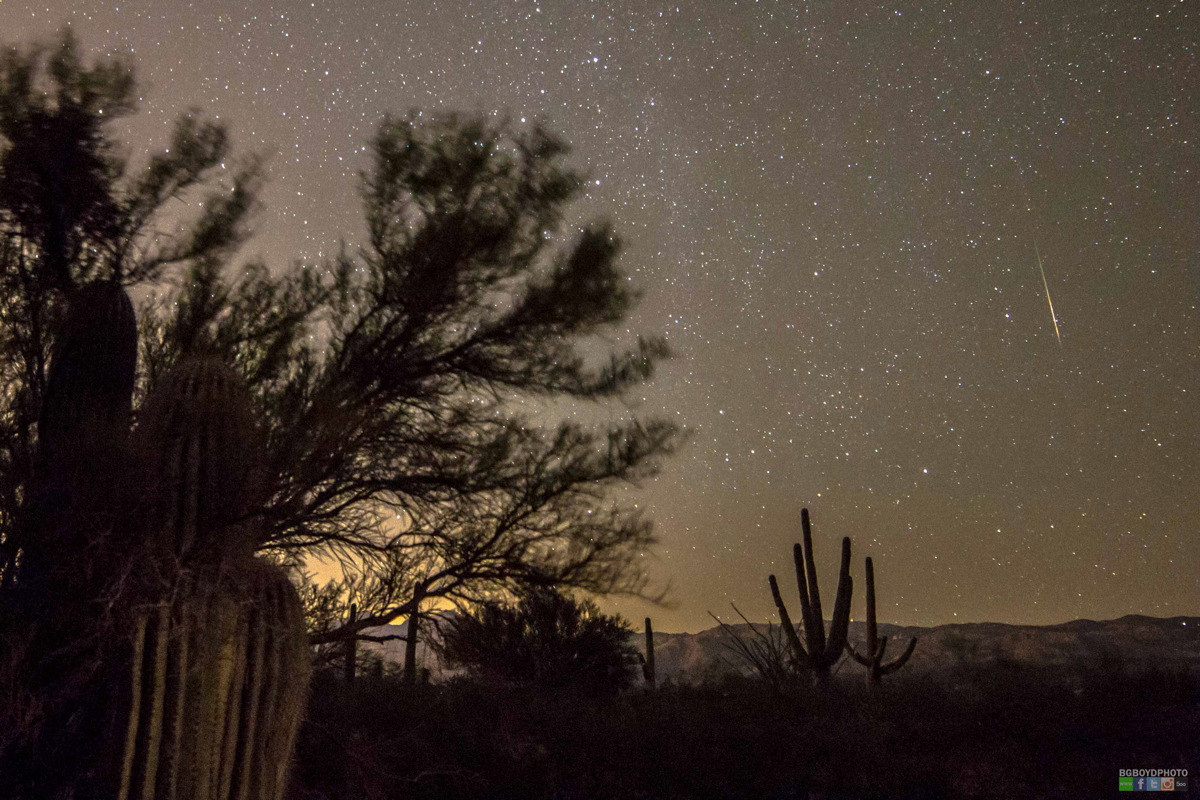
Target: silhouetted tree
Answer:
[[76, 217], [393, 381], [548, 639], [72, 211]]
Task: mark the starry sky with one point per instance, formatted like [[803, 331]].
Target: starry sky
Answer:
[[835, 211]]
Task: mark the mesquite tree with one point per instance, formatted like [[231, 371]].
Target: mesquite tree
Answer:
[[73, 210], [389, 381]]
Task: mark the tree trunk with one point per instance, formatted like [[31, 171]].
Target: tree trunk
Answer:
[[411, 637], [350, 652]]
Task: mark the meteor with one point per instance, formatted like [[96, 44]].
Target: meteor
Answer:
[[1049, 302]]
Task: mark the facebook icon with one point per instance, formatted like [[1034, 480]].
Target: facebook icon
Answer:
[[1141, 784]]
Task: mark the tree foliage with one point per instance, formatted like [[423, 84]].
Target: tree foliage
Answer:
[[73, 210], [548, 640], [396, 382]]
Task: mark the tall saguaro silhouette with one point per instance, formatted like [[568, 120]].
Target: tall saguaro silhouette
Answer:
[[819, 652]]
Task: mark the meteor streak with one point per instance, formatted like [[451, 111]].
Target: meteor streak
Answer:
[[1049, 302]]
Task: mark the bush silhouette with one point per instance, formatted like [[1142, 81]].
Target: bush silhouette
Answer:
[[547, 640]]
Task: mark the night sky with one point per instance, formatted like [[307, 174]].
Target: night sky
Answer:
[[835, 211]]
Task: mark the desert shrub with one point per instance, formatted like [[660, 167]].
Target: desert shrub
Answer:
[[548, 640], [1028, 735]]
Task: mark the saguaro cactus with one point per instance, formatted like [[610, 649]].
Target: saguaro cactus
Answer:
[[83, 430], [189, 678], [875, 646], [202, 459], [220, 663], [819, 652], [217, 687], [69, 582], [90, 383], [648, 659]]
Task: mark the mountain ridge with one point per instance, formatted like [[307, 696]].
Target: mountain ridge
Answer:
[[1134, 643]]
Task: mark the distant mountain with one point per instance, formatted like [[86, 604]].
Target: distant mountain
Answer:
[[1077, 648], [1133, 642]]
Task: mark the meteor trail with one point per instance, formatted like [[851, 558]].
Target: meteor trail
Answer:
[[1046, 286]]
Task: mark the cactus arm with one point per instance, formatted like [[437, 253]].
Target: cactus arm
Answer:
[[861, 659], [872, 627], [873, 656], [888, 669], [786, 623], [806, 615], [839, 626], [815, 636]]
